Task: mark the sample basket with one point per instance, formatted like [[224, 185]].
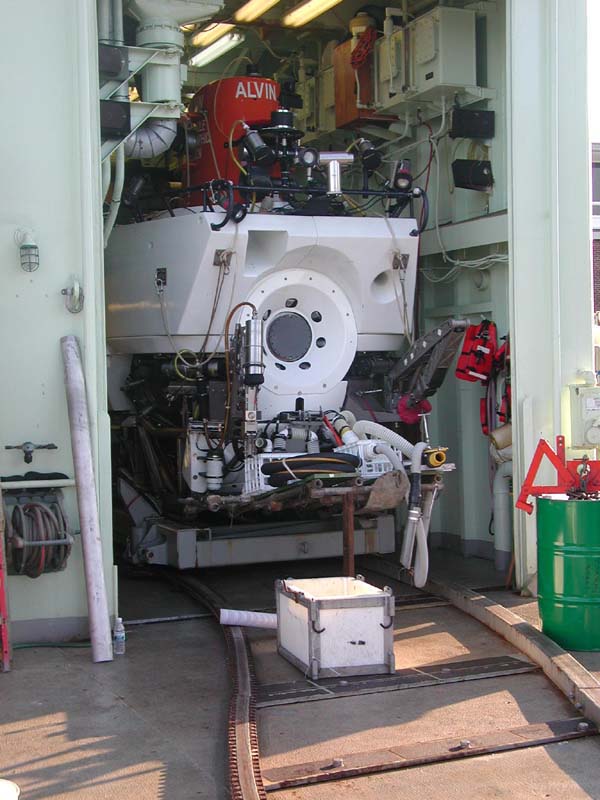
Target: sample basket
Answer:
[[335, 626]]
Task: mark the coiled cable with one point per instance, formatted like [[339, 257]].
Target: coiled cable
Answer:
[[38, 538]]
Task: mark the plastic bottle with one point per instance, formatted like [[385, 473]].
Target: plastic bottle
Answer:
[[119, 638]]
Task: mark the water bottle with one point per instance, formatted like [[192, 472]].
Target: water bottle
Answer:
[[119, 638]]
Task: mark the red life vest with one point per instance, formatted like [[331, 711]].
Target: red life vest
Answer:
[[476, 361]]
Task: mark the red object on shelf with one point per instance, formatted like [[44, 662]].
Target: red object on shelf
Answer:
[[216, 108], [568, 474]]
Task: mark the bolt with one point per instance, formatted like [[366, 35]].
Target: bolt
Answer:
[[583, 726], [335, 763]]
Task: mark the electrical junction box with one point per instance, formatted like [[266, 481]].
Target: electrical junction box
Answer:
[[335, 626], [389, 60], [443, 53], [433, 58], [318, 113], [585, 416]]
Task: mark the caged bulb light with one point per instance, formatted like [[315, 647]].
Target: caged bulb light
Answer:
[[29, 252]]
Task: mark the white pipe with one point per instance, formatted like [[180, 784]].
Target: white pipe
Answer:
[[115, 202], [421, 570], [106, 175], [349, 417], [416, 459], [428, 504], [365, 426], [248, 619], [59, 483], [408, 540], [87, 500], [415, 531], [391, 455], [502, 516]]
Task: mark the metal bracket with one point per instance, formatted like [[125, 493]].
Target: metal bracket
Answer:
[[138, 58], [29, 448], [400, 261], [140, 112], [74, 297], [222, 258]]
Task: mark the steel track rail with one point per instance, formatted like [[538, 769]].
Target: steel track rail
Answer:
[[245, 778]]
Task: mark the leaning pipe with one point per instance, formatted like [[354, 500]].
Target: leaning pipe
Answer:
[[87, 501], [248, 619]]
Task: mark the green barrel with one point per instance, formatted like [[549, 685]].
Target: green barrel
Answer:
[[568, 546]]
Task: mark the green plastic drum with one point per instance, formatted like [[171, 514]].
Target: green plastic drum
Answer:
[[568, 545]]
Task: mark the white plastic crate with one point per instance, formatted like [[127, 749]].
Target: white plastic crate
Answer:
[[370, 467], [254, 481], [335, 626]]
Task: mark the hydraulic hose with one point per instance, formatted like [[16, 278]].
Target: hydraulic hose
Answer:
[[421, 567], [414, 531], [366, 426], [231, 208], [425, 212], [323, 462], [391, 455]]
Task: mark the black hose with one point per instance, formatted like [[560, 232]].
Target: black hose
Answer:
[[312, 462], [283, 478], [230, 208], [414, 498], [425, 213]]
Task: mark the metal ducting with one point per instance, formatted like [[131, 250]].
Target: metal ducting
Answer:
[[152, 139]]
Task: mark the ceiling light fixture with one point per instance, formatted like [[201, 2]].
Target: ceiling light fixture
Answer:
[[253, 9], [307, 11], [211, 33], [217, 49]]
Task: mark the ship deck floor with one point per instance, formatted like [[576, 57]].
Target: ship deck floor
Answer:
[[153, 723]]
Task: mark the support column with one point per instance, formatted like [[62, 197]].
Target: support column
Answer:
[[348, 532], [550, 293]]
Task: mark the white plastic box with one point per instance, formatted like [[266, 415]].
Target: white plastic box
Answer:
[[335, 626]]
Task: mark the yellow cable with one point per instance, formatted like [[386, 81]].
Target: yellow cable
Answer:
[[178, 355], [233, 156]]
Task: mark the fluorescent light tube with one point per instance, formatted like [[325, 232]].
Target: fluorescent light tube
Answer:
[[253, 9], [211, 33], [217, 49], [307, 11]]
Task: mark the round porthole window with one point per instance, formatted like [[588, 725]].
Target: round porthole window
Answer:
[[289, 337]]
